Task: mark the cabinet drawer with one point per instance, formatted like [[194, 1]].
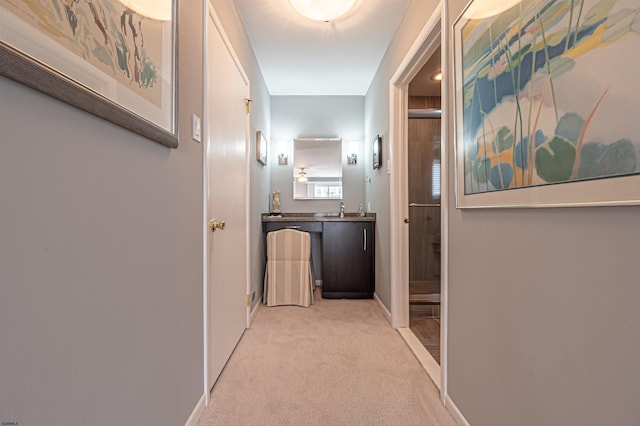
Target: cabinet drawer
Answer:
[[300, 226]]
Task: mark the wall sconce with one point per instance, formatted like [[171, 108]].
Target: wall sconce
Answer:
[[283, 159], [352, 158]]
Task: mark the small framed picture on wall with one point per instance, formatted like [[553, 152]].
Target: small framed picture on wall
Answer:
[[377, 152], [261, 148]]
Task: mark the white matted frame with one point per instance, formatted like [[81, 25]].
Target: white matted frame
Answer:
[[539, 123], [99, 56]]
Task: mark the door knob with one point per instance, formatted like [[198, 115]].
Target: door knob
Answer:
[[216, 225], [406, 221]]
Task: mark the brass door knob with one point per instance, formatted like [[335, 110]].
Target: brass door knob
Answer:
[[216, 225]]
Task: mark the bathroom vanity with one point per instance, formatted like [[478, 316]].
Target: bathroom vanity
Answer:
[[347, 249]]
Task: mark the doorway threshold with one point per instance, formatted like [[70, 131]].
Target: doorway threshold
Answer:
[[423, 356]]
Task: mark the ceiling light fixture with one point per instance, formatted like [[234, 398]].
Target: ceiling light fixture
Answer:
[[488, 8], [153, 9], [437, 76], [302, 176], [322, 10]]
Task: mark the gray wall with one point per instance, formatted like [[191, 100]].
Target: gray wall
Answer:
[[101, 253], [543, 327], [100, 261], [543, 322], [317, 117], [377, 123]]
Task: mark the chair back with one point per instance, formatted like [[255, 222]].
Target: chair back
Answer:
[[288, 244]]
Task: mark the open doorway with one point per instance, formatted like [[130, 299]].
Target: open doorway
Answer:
[[423, 188], [432, 36]]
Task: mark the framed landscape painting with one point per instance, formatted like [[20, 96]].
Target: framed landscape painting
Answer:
[[546, 103], [108, 57]]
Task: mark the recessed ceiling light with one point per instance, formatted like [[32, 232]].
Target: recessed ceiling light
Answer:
[[437, 76], [154, 9], [322, 10]]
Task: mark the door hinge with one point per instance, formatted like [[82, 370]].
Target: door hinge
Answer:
[[248, 300], [247, 104]]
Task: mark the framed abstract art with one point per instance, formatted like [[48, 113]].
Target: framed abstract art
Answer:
[[546, 101]]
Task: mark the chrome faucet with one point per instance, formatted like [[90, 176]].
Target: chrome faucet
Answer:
[[341, 209]]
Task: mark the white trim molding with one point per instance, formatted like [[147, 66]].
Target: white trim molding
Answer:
[[445, 161], [205, 228], [455, 413], [197, 411], [425, 45], [385, 311], [253, 313], [433, 34]]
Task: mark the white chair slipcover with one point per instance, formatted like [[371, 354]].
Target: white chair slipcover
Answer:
[[288, 277]]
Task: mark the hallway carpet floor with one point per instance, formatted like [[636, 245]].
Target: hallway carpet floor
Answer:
[[337, 362]]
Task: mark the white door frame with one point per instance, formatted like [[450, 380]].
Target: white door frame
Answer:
[[433, 34], [210, 12]]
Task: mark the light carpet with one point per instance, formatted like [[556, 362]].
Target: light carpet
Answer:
[[337, 362]]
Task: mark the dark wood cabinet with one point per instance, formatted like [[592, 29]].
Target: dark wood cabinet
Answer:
[[348, 260], [342, 250]]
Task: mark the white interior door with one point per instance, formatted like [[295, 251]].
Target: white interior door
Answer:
[[227, 199]]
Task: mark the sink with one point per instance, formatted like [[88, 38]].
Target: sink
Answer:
[[336, 214], [319, 216]]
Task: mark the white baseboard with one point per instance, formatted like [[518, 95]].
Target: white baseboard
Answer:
[[253, 312], [386, 312], [197, 412], [455, 413]]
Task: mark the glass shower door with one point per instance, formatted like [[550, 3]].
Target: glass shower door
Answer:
[[424, 231]]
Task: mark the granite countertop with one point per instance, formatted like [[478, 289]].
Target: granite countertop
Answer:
[[318, 217]]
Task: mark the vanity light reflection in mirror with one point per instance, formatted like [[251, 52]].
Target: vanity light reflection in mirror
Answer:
[[317, 168]]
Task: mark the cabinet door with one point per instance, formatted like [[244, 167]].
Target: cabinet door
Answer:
[[347, 260]]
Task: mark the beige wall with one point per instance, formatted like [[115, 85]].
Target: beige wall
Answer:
[[543, 303]]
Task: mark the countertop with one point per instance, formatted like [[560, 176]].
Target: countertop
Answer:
[[318, 217]]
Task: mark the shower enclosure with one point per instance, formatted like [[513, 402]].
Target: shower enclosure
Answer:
[[424, 220]]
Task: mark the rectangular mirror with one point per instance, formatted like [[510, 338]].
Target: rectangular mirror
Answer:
[[317, 169]]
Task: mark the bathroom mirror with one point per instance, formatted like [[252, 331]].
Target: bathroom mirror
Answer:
[[317, 169]]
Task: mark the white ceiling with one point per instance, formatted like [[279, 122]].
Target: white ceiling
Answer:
[[298, 56]]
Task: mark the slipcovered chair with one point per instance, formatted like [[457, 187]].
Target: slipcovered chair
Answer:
[[288, 278]]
